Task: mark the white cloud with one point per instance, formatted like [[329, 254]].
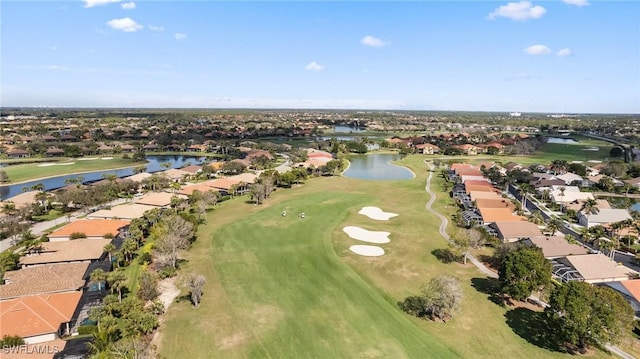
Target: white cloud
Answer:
[[129, 5], [373, 41], [314, 66], [92, 3], [537, 50], [518, 11], [565, 52], [179, 36], [155, 28], [56, 67], [578, 3], [125, 24]]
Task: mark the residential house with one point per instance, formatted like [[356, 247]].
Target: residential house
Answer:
[[513, 231], [44, 279], [39, 318], [569, 178], [468, 149], [78, 250], [630, 290], [54, 152], [603, 217], [491, 215], [594, 268], [159, 199], [125, 212], [17, 153], [427, 148], [91, 228], [555, 247]]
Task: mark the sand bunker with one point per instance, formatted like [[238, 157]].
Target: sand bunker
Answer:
[[376, 213], [107, 158], [88, 159], [46, 164], [367, 251], [364, 235]]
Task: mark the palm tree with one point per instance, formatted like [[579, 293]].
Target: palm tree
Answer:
[[553, 224], [562, 189], [589, 206], [546, 194], [116, 282], [586, 235], [525, 189], [98, 276], [109, 249], [536, 217]]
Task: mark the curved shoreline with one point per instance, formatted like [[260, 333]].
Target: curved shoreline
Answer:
[[66, 174]]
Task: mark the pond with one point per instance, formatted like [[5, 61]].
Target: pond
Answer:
[[561, 140], [377, 167], [635, 207], [347, 129], [154, 164]]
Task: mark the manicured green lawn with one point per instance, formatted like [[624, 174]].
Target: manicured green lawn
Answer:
[[285, 287], [31, 171]]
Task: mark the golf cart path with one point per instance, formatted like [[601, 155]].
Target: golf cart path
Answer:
[[444, 221]]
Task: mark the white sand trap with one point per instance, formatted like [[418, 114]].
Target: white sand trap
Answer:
[[107, 158], [367, 251], [46, 164], [65, 164], [364, 235], [376, 213], [88, 159]]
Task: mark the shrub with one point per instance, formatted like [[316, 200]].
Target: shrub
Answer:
[[86, 329], [108, 235], [77, 235], [168, 272], [9, 341]]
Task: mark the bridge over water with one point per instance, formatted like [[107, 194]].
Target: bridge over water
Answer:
[[628, 149]]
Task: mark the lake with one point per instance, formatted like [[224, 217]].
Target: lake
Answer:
[[347, 129], [154, 164], [561, 140], [376, 167]]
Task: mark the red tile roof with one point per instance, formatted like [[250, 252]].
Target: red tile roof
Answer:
[[37, 314], [91, 227]]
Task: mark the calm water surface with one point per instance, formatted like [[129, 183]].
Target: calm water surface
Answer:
[[377, 167], [154, 164]]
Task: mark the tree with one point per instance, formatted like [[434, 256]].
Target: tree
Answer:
[[9, 341], [584, 315], [461, 245], [616, 152], [589, 206], [536, 217], [109, 249], [443, 296], [148, 286], [3, 176], [98, 276], [523, 271], [117, 280], [440, 298], [195, 283], [553, 225], [525, 189]]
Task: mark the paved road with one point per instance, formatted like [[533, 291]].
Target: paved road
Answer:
[[444, 221], [41, 227]]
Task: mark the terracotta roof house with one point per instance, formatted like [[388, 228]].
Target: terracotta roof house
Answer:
[[482, 188], [54, 151], [603, 217], [91, 228], [600, 204], [39, 318], [44, 350], [474, 180], [125, 212], [78, 250], [127, 148], [475, 195], [630, 290], [17, 153], [597, 268], [495, 203], [202, 187], [176, 174], [24, 199], [42, 279], [473, 171], [513, 231], [490, 215], [468, 149], [427, 148], [555, 247], [313, 153], [158, 199], [139, 177], [193, 169], [226, 183]]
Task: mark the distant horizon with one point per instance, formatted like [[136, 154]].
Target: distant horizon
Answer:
[[564, 56], [80, 108]]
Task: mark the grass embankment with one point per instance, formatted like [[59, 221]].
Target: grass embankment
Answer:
[[65, 166], [289, 287]]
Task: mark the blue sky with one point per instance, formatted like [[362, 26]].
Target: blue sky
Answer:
[[571, 56]]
